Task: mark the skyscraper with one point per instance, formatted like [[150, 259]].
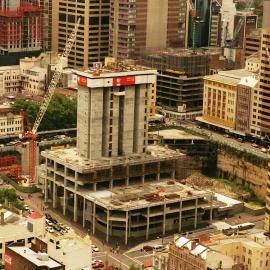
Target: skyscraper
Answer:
[[265, 88], [93, 34], [143, 25]]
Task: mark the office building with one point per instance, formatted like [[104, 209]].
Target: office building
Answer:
[[180, 80], [10, 80], [244, 23], [92, 40], [265, 89], [46, 8], [21, 31], [252, 43], [251, 250], [140, 26], [227, 101]]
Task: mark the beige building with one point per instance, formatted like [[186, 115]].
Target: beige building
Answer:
[[190, 254], [10, 82], [10, 123], [228, 101], [92, 40], [251, 250], [15, 229], [253, 63]]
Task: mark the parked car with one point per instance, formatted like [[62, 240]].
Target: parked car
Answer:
[[264, 150], [147, 248], [94, 248], [255, 145], [158, 247], [20, 198], [97, 264], [240, 140]]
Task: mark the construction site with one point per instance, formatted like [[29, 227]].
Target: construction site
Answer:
[[21, 30]]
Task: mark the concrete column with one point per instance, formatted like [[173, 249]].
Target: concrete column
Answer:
[[127, 176], [54, 194], [94, 218], [180, 217], [196, 214], [84, 203], [129, 227], [126, 231], [211, 208], [143, 173], [46, 182], [147, 224], [111, 183], [46, 189], [173, 172], [65, 201], [94, 186], [108, 226], [158, 171], [164, 220], [75, 216]]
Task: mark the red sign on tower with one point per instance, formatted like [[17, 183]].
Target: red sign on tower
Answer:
[[124, 81], [82, 81]]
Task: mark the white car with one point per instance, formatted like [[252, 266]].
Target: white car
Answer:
[[50, 230], [264, 150], [94, 248], [158, 247]]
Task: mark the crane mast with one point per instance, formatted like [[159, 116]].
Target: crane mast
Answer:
[[55, 79], [48, 96]]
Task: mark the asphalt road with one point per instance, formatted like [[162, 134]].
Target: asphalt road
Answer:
[[229, 141]]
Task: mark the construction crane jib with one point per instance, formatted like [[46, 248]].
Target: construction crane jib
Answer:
[[56, 77]]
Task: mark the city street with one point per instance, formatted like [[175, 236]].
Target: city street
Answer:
[[215, 136]]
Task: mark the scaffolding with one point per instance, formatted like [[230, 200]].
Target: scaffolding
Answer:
[[21, 27]]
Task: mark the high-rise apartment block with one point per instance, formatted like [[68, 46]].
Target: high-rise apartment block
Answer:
[[143, 25], [46, 7], [21, 30], [93, 34], [252, 43]]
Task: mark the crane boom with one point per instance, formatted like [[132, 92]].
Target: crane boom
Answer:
[[56, 77]]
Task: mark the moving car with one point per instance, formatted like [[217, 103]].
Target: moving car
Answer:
[[147, 248]]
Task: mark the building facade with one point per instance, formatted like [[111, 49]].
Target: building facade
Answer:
[[92, 42], [251, 251], [21, 30], [252, 43], [10, 80], [19, 257], [144, 25], [180, 80], [190, 254], [10, 123], [228, 101]]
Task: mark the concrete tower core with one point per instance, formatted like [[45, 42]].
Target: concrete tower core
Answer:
[[112, 111]]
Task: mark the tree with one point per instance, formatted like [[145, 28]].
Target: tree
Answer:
[[134, 267], [61, 112]]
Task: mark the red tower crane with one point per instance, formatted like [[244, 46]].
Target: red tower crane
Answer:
[[31, 136]]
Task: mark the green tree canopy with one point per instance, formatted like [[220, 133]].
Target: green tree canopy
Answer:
[[61, 112]]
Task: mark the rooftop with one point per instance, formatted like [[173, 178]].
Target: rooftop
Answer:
[[143, 195], [112, 69], [255, 240], [71, 158], [3, 68], [33, 257], [230, 76], [175, 134]]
